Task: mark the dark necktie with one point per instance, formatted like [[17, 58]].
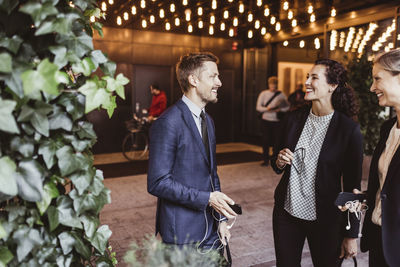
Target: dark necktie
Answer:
[[204, 134]]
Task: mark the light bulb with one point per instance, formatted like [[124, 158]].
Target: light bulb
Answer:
[[235, 21], [222, 26], [285, 43], [126, 16], [212, 19], [294, 23], [200, 24], [290, 14], [104, 6], [333, 12], [190, 28], [133, 10], [167, 26], [119, 20], [302, 43], [263, 30], [172, 8], [278, 26], [241, 8], [200, 11], [214, 4], [286, 5], [211, 30], [177, 22], [257, 24], [152, 19], [250, 17], [266, 12], [143, 4], [231, 32], [184, 2], [144, 23], [162, 13], [226, 14], [312, 17], [273, 20], [250, 34]]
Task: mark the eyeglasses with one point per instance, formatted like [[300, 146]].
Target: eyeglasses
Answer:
[[298, 162]]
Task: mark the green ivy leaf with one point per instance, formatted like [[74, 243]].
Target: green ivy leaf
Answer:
[[44, 79], [84, 202], [37, 116], [100, 238], [14, 82], [68, 161], [81, 247], [109, 68], [26, 239], [81, 180], [80, 45], [7, 120], [98, 57], [38, 12], [48, 150], [74, 104], [50, 191], [52, 215], [95, 96], [61, 25], [5, 63], [29, 179], [66, 214], [60, 53], [25, 146], [60, 120], [90, 224], [86, 130], [8, 184], [86, 66], [5, 255], [121, 80], [82, 4], [67, 242], [11, 44], [110, 105], [98, 27], [3, 234]]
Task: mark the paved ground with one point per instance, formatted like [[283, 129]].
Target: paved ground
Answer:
[[131, 214]]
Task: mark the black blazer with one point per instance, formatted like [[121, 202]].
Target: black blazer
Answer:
[[341, 156], [390, 197]]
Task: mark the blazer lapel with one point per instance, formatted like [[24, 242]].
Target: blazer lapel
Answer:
[[394, 163], [211, 139], [188, 118], [296, 130], [329, 135]]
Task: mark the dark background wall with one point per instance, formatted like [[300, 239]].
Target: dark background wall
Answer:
[[149, 57]]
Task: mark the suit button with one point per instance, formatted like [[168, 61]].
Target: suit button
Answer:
[[383, 196]]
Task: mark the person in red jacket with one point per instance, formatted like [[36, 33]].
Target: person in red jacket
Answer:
[[158, 103]]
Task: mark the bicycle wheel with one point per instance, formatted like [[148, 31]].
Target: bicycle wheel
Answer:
[[134, 145]]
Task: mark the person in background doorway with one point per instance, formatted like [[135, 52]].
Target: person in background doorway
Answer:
[[269, 103], [158, 102], [296, 99]]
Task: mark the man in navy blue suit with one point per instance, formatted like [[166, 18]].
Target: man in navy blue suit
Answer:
[[182, 165]]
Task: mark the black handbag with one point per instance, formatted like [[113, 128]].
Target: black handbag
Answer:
[[342, 259]]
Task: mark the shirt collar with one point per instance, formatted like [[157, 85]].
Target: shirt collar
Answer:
[[192, 106]]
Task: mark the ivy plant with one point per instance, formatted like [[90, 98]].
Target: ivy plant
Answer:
[[50, 193], [370, 114]]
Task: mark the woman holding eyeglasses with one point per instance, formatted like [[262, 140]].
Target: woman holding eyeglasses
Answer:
[[320, 155]]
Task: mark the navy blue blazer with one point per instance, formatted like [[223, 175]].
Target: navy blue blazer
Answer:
[[340, 159], [182, 177], [390, 197]]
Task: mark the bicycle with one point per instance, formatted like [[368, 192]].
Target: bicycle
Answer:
[[136, 143]]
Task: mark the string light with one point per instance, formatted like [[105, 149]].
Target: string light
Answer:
[[200, 24], [184, 2], [162, 13], [263, 31], [257, 24], [286, 5], [172, 8], [385, 35], [259, 2], [152, 19], [310, 9], [235, 21], [177, 22], [143, 4], [278, 26], [222, 26], [200, 11], [188, 13], [126, 16], [285, 43], [357, 41], [241, 8], [119, 20], [226, 14], [349, 39], [266, 12], [273, 20], [250, 17], [92, 19], [144, 23], [367, 37], [317, 43], [290, 14], [250, 34], [211, 30], [167, 26], [104, 6], [342, 39], [212, 19], [231, 32], [312, 18], [133, 10], [294, 23], [214, 4], [333, 40], [333, 12], [111, 2], [190, 28], [302, 44]]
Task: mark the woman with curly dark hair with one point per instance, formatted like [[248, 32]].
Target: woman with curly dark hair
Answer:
[[320, 155]]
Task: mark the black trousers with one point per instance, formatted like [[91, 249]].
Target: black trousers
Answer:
[[290, 234], [270, 132], [376, 258]]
